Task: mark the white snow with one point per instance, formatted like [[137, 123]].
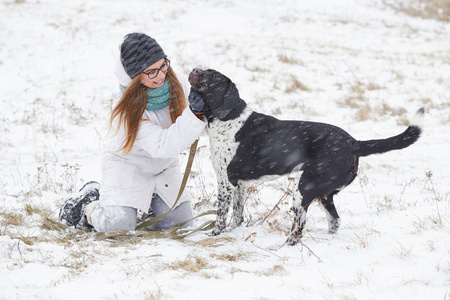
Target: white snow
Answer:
[[360, 65]]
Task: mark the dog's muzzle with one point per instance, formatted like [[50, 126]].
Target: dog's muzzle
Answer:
[[195, 77]]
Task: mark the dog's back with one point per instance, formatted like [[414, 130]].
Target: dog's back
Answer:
[[271, 147]]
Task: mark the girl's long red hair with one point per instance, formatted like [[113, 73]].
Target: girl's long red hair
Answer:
[[132, 105]]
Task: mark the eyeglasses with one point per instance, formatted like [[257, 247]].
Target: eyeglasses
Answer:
[[152, 73]]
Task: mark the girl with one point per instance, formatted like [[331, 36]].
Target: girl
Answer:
[[140, 166]]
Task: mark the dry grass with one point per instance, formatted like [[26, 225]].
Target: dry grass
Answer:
[[358, 100], [293, 85], [363, 242], [211, 242], [256, 69], [288, 60], [155, 295], [275, 270], [426, 9], [191, 264], [402, 252], [32, 209], [11, 219], [233, 256], [260, 100]]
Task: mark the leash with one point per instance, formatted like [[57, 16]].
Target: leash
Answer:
[[192, 151], [206, 226], [172, 232]]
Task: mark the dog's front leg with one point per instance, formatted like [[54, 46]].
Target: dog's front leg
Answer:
[[240, 194], [225, 192]]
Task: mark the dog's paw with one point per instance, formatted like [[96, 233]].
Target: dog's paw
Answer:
[[215, 232], [332, 231], [334, 225], [228, 229], [292, 240], [237, 221], [276, 247]]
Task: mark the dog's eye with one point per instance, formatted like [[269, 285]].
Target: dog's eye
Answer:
[[217, 76]]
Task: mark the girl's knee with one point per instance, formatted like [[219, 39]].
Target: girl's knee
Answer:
[[113, 218]]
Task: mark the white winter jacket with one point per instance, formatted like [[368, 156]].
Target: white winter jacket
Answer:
[[152, 166]]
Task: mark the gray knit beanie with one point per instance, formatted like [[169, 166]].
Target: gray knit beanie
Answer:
[[139, 51]]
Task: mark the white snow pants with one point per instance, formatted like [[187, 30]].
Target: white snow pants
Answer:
[[113, 218]]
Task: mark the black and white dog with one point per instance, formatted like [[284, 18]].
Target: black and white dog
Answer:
[[247, 145]]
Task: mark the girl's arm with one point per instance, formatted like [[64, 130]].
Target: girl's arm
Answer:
[[170, 142]]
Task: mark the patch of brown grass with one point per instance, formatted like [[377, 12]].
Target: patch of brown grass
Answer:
[[192, 264], [426, 9], [359, 102], [11, 218], [365, 112], [213, 242], [232, 256], [287, 60], [294, 84]]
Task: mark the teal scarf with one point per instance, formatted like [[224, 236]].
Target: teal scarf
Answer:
[[157, 98]]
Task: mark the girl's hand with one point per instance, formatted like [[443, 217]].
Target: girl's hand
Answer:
[[196, 103]]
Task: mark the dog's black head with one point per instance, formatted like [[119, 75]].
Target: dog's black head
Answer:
[[219, 95]]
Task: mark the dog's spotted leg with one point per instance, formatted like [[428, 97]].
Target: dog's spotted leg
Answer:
[[238, 205], [297, 227], [225, 192], [332, 216], [298, 224]]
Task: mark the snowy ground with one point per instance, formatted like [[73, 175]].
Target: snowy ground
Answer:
[[365, 66]]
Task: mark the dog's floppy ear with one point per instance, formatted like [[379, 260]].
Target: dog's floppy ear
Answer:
[[231, 100]]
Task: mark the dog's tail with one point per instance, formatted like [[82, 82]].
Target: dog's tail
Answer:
[[403, 140]]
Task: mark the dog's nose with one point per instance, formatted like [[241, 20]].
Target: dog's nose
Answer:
[[197, 71]]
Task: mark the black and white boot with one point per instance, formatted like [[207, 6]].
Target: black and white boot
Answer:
[[73, 211]]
